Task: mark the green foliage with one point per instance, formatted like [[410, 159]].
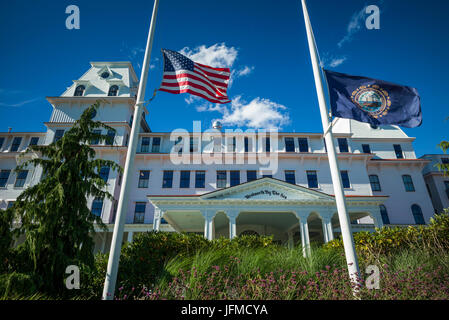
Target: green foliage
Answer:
[[54, 216], [17, 284], [6, 237], [370, 245]]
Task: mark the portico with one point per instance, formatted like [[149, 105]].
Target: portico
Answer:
[[267, 206]]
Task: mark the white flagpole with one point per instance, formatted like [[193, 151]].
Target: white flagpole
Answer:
[[348, 241], [117, 237]]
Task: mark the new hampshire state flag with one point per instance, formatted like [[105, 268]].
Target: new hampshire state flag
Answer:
[[373, 101]]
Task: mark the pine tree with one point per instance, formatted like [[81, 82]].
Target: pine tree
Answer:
[[53, 214]]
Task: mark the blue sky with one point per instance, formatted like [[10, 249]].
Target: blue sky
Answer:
[[263, 42]]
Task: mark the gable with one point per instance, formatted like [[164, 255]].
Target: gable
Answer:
[[268, 189]]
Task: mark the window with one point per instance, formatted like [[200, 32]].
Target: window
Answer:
[[97, 207], [104, 173], [105, 75], [246, 141], [221, 179], [200, 179], [375, 183], [408, 183], [191, 144], [4, 175], [384, 214], [325, 146], [156, 147], [139, 212], [58, 135], [312, 179], [178, 145], [34, 141], [145, 146], [251, 175], [15, 144], [267, 145], [267, 176], [232, 144], [303, 145], [343, 145], [110, 138], [290, 177], [443, 160], [131, 120], [21, 177], [235, 178], [144, 178], [398, 151], [10, 204], [167, 181], [2, 140], [217, 144], [126, 140], [289, 145], [79, 91], [95, 141], [366, 148], [113, 90], [417, 214], [345, 179], [120, 179], [185, 179]]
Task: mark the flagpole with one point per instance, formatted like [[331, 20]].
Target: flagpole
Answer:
[[348, 241], [117, 237]]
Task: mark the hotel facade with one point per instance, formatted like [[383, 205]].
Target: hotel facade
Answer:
[[224, 185]]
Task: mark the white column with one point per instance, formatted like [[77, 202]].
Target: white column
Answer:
[[377, 217], [130, 236], [209, 216], [330, 230], [325, 231], [232, 216], [304, 229], [157, 219]]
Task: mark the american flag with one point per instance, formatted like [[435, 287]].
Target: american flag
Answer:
[[184, 75]]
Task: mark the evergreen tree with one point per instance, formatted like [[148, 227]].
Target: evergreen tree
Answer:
[[53, 214]]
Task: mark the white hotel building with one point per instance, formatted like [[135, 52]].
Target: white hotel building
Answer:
[[383, 179]]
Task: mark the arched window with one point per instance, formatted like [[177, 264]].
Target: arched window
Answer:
[[79, 91], [417, 214], [384, 214], [113, 90]]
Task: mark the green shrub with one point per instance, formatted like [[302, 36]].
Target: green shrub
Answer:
[[386, 241], [16, 284]]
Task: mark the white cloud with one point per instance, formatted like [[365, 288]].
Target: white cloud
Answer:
[[354, 26], [217, 55], [259, 113], [337, 61], [19, 104], [245, 71]]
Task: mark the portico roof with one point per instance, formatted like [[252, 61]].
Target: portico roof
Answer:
[[263, 190]]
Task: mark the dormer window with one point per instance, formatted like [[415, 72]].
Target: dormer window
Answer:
[[113, 90], [79, 91], [105, 75]]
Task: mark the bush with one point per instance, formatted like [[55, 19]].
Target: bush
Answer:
[[15, 284], [386, 241]]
